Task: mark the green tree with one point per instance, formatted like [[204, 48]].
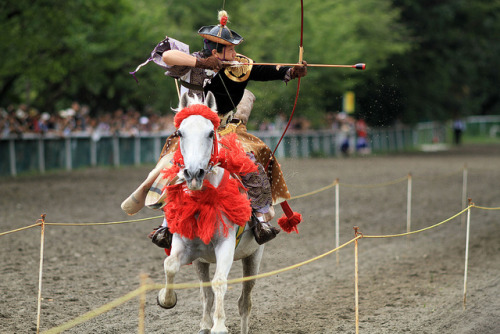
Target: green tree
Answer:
[[55, 52], [449, 71]]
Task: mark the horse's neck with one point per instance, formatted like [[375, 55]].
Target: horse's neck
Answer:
[[215, 176]]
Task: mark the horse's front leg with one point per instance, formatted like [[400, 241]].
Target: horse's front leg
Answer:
[[167, 298], [207, 296], [224, 252]]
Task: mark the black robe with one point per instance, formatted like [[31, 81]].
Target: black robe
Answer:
[[228, 88]]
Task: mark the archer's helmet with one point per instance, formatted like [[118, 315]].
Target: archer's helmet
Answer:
[[220, 33]]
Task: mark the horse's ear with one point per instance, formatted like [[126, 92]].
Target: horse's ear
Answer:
[[184, 102], [210, 101]]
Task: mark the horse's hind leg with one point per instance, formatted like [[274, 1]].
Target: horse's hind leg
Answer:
[[207, 296], [251, 266]]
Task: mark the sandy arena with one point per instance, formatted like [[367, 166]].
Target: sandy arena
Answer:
[[407, 284]]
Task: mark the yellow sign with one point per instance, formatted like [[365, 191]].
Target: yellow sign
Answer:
[[348, 102]]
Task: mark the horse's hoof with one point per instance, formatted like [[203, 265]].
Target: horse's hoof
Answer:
[[163, 306], [204, 331]]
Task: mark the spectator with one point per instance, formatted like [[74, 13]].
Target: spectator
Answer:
[[346, 132], [362, 136], [458, 129], [43, 122]]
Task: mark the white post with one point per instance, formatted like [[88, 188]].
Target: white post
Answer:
[[41, 155], [356, 280], [93, 151], [137, 150], [326, 144], [42, 238], [399, 140], [294, 153], [157, 146], [337, 218], [142, 305], [69, 158], [316, 142], [305, 146], [116, 151], [464, 191], [280, 152], [12, 157], [408, 205], [466, 255]]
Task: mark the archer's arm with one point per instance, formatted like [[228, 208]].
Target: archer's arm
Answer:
[[178, 58], [285, 73]]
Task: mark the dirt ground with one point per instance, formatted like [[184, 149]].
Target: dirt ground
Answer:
[[407, 284]]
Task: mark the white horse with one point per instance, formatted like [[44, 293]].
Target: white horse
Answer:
[[196, 140]]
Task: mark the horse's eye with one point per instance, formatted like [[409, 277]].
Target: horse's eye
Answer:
[[211, 134]]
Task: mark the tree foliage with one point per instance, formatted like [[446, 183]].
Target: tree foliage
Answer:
[[449, 71], [55, 52]]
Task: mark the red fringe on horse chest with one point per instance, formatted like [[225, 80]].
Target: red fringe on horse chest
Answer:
[[199, 213]]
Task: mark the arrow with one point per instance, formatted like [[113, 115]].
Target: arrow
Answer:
[[360, 66]]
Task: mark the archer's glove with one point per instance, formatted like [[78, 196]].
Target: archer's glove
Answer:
[[299, 71], [210, 63]]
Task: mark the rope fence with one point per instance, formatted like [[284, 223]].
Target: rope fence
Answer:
[[145, 287]]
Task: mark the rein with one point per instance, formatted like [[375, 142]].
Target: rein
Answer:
[[214, 159]]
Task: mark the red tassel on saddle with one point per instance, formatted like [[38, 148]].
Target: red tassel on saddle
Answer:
[[289, 221]]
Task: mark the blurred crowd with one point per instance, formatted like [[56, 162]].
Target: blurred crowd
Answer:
[[297, 124], [352, 133], [21, 120]]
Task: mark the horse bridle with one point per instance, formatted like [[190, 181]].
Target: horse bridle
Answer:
[[214, 157]]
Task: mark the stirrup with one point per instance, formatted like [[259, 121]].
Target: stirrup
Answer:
[[161, 237]]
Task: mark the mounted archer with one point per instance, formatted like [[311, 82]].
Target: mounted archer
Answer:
[[208, 73], [202, 72]]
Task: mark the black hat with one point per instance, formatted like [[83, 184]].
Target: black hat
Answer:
[[221, 33]]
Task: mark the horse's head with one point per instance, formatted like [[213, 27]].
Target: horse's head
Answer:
[[196, 124]]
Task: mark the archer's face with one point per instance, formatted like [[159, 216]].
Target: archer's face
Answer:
[[228, 53]]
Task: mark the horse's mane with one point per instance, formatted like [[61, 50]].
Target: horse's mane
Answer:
[[191, 99]]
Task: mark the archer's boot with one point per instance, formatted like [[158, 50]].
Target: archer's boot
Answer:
[[263, 231], [161, 237]]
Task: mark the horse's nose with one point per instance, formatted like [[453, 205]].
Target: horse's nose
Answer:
[[201, 174], [187, 175], [198, 175]]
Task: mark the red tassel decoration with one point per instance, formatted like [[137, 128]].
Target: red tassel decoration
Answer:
[[199, 213], [197, 109], [223, 21], [289, 221], [232, 156]]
